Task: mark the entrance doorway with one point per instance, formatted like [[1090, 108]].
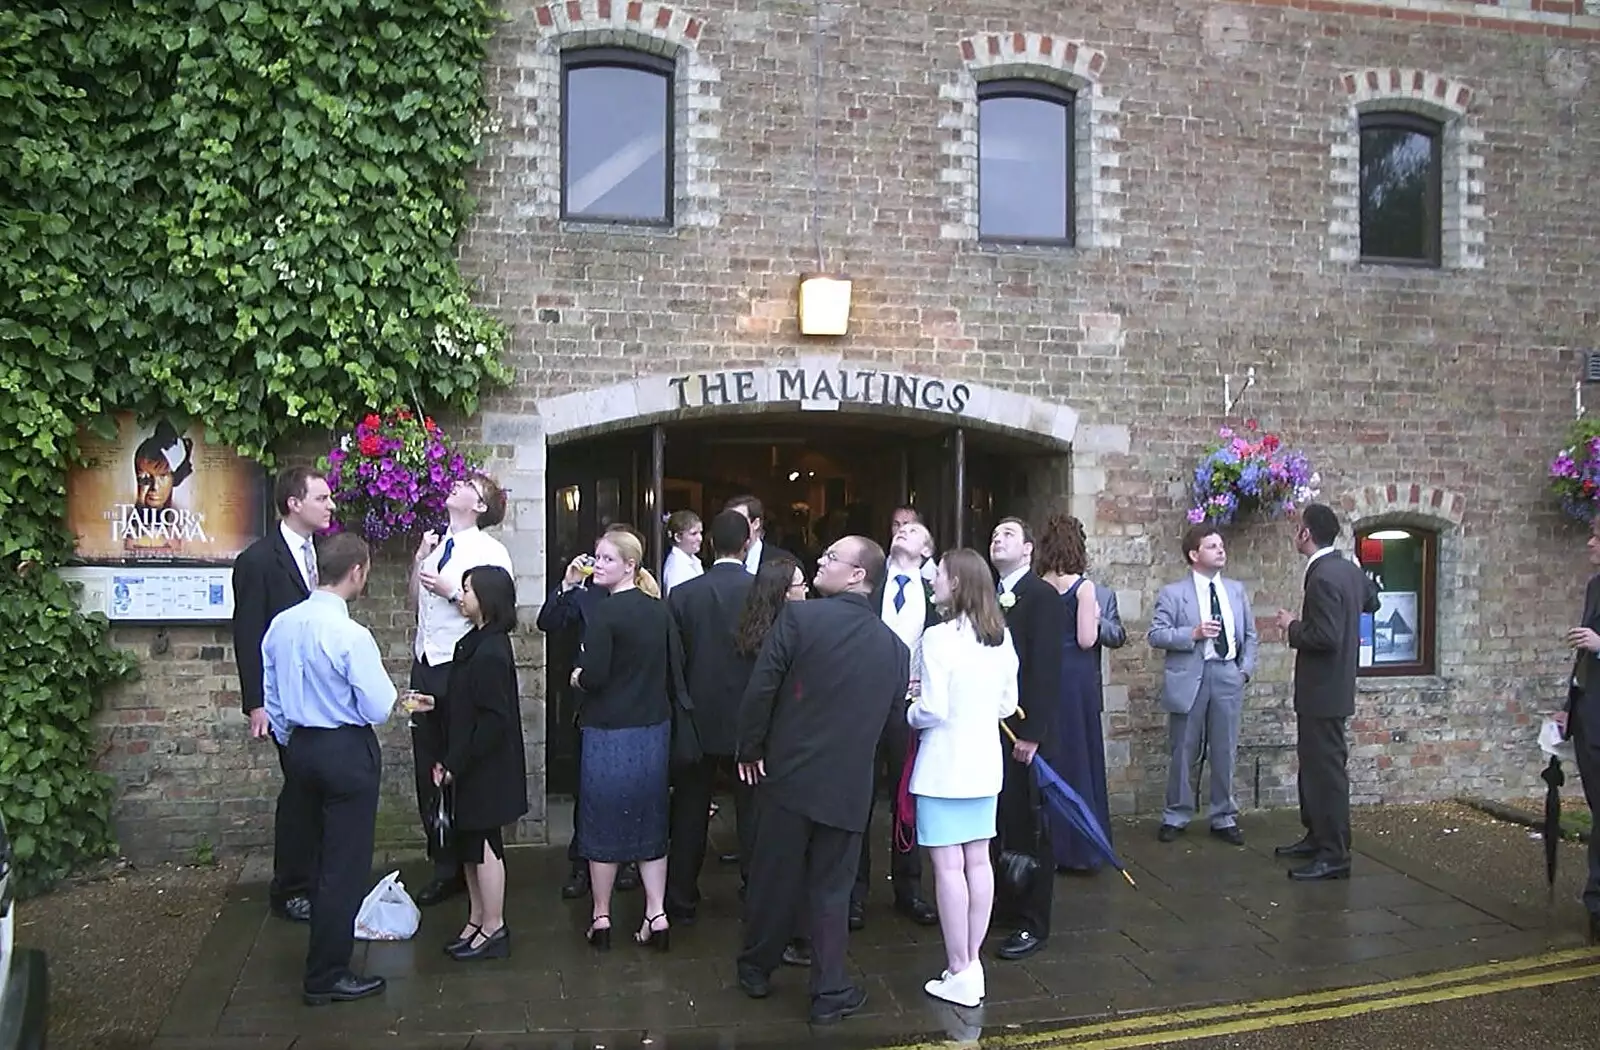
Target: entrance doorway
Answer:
[[818, 476]]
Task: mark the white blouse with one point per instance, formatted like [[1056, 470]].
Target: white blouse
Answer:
[[967, 688], [679, 567]]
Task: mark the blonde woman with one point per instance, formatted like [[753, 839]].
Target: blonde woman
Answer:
[[969, 683], [625, 719]]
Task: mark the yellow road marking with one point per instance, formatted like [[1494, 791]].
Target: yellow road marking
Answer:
[[1265, 1013]]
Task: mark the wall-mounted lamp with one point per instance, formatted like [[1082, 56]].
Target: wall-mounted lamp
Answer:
[[570, 498], [824, 305]]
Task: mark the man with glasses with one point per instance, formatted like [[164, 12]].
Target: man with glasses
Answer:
[[474, 504], [827, 680]]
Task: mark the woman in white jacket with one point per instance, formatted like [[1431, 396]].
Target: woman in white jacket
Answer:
[[969, 683]]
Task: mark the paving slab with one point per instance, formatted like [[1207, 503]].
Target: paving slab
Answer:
[[1209, 923]]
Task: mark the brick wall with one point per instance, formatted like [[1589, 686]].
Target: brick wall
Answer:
[[1217, 243]]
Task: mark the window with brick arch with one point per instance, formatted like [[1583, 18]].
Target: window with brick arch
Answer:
[[1402, 561], [616, 136], [1401, 182], [1025, 159]]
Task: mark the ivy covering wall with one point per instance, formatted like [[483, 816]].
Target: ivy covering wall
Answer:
[[242, 214]]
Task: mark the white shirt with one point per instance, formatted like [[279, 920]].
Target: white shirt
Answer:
[[297, 544], [752, 557], [1320, 552], [1202, 592], [1009, 581], [967, 687], [440, 624], [909, 622], [681, 566]]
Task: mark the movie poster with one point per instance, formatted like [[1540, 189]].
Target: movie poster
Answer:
[[157, 494]]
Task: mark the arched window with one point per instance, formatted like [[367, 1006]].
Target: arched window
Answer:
[[1401, 176], [1025, 147], [1403, 561], [616, 136]]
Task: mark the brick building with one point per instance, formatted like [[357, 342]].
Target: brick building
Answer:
[[1376, 209]]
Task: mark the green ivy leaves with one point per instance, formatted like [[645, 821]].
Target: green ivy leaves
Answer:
[[238, 211]]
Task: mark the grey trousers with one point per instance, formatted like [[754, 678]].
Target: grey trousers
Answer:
[[1212, 724]]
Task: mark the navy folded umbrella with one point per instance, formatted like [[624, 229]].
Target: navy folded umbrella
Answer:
[[1074, 809]]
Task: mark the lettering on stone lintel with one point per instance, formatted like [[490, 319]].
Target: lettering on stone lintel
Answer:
[[843, 385]]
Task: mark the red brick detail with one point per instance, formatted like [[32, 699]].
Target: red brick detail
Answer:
[[1390, 494], [635, 10], [1349, 83], [544, 17], [663, 17], [1439, 89], [1372, 79], [1047, 45], [1019, 43], [604, 10], [994, 47], [968, 52], [1463, 96], [1416, 494], [1416, 80], [1394, 80], [692, 30], [1438, 498], [574, 11], [1097, 63], [1403, 14], [1070, 60]]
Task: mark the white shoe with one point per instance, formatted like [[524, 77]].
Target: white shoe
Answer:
[[963, 989]]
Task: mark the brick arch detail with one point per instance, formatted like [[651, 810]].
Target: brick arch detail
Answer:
[[1097, 186], [1463, 218], [1436, 506], [659, 29]]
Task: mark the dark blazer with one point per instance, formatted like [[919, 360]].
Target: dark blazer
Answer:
[[1038, 624], [825, 682], [567, 610], [1585, 682], [483, 737], [706, 610], [266, 581], [1327, 638]]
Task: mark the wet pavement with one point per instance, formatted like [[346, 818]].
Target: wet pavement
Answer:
[[1209, 923]]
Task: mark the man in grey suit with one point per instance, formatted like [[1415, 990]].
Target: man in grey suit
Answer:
[[1204, 624], [1326, 638]]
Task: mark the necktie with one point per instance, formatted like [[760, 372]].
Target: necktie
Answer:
[[449, 549], [1220, 642], [900, 595], [309, 553]]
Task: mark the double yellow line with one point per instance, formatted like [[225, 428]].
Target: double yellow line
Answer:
[[1211, 1021]]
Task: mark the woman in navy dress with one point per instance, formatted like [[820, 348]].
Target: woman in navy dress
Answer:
[[1078, 751]]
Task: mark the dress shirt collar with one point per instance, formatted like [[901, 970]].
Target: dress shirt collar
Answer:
[[1320, 552], [461, 534], [752, 557], [1203, 581], [328, 602], [1009, 581], [297, 550], [729, 560]]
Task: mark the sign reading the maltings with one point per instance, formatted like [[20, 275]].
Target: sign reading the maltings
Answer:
[[820, 387]]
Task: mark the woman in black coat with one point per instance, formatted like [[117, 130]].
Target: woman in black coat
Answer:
[[483, 760]]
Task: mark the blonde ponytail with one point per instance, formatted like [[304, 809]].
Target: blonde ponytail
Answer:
[[646, 582]]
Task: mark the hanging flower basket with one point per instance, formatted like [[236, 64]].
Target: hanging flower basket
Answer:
[[1250, 473], [391, 475], [1575, 472]]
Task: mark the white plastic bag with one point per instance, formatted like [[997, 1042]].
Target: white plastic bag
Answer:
[[388, 913]]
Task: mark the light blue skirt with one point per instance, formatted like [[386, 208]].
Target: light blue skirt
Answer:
[[953, 821]]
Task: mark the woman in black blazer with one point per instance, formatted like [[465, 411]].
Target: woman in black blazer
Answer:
[[483, 761]]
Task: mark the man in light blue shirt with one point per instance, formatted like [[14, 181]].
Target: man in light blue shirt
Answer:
[[324, 688]]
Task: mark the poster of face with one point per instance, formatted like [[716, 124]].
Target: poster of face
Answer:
[[155, 494]]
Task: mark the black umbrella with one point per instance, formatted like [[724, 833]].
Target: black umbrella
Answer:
[[1553, 778]]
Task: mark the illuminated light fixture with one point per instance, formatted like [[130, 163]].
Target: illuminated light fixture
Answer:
[[1389, 534], [571, 497], [794, 475], [824, 305]]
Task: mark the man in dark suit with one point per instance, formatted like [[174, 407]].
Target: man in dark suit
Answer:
[[1038, 623], [273, 573], [760, 551], [707, 610], [828, 677], [1326, 638], [1582, 720]]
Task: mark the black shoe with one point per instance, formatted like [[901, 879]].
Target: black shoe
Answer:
[[345, 990], [1304, 848], [295, 909], [496, 945], [628, 878], [797, 953], [918, 911], [577, 884], [1320, 870], [440, 890], [755, 985], [1020, 945], [1168, 832], [853, 1000], [462, 941], [682, 916], [728, 858], [1230, 834], [858, 916]]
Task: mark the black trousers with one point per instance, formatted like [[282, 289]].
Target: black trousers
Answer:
[[905, 868], [1324, 784], [333, 779], [1586, 743], [1022, 827], [294, 845], [798, 865], [689, 819], [427, 748]]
